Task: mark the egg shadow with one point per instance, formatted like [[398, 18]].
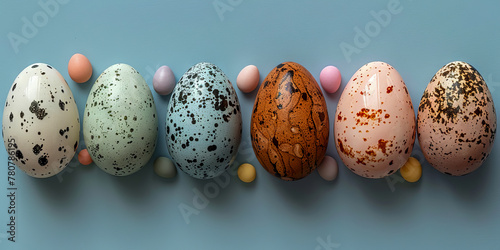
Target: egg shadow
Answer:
[[219, 190], [304, 194], [471, 188], [59, 189], [134, 187], [386, 196]]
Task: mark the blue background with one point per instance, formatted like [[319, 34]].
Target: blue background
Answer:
[[85, 208]]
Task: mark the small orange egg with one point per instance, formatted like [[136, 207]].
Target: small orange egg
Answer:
[[79, 68], [84, 157]]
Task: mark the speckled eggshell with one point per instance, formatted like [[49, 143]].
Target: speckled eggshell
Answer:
[[456, 120], [375, 122], [289, 126], [120, 124], [40, 123], [203, 124]]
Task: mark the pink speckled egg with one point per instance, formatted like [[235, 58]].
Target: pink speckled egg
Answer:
[[375, 122], [456, 120]]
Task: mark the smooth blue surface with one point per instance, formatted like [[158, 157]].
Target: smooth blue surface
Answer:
[[85, 208]]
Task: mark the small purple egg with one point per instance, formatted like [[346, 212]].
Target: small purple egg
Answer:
[[164, 80]]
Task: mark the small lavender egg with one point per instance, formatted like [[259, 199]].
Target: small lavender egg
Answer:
[[164, 80]]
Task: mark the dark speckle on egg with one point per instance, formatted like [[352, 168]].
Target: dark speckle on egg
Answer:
[[120, 126], [38, 118], [289, 125], [456, 120], [203, 123]]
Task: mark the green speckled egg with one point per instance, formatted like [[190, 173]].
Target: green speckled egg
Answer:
[[120, 123]]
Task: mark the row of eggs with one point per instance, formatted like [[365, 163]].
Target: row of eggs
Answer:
[[374, 125]]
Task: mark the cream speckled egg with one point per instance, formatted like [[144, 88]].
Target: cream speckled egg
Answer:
[[120, 124], [375, 122], [40, 124], [456, 120]]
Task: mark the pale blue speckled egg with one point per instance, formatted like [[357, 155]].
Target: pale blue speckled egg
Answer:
[[203, 124], [120, 124]]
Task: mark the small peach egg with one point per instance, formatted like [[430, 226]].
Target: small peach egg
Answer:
[[248, 79], [330, 79], [328, 169], [84, 157], [79, 68], [164, 80], [164, 167], [412, 170], [246, 172]]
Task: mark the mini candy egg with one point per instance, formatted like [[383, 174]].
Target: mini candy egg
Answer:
[[246, 172], [164, 167], [412, 170], [290, 125], [330, 79], [328, 169], [248, 79], [375, 122], [84, 157], [456, 120], [164, 80], [40, 124], [203, 124], [79, 68], [120, 124]]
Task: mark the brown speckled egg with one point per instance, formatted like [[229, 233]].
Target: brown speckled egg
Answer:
[[375, 122], [456, 120], [289, 126]]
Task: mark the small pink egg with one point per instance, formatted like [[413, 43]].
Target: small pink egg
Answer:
[[328, 169], [248, 79], [164, 80], [330, 79], [79, 68], [84, 157]]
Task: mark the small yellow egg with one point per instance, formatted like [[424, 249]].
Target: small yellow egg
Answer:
[[412, 170], [246, 172]]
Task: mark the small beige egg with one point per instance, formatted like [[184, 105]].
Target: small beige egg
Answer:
[[248, 79], [164, 167], [328, 169]]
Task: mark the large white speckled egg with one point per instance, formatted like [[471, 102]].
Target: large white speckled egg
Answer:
[[375, 122], [40, 123], [120, 124], [456, 120], [203, 124]]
